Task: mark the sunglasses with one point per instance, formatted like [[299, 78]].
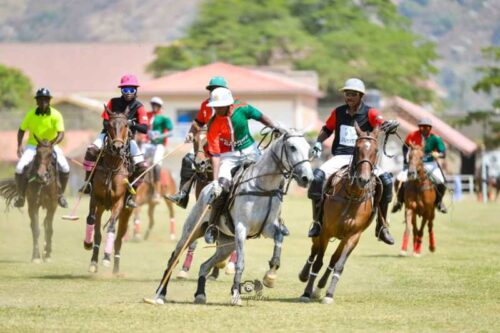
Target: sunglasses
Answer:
[[350, 94], [129, 90]]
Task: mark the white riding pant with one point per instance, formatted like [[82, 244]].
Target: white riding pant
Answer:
[[335, 163], [431, 168], [153, 152], [230, 160], [137, 155], [29, 154]]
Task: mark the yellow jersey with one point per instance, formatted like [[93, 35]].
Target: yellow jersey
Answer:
[[45, 126]]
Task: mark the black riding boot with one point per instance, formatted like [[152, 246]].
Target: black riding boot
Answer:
[[440, 191], [381, 231], [400, 198], [63, 181], [317, 220], [89, 164], [181, 198], [315, 193], [217, 206], [21, 184]]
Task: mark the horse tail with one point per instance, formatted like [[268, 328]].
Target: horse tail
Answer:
[[8, 190]]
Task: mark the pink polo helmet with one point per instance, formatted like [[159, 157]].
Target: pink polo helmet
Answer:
[[128, 80]]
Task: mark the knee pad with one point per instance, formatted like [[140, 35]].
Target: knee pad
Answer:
[[386, 179], [315, 191]]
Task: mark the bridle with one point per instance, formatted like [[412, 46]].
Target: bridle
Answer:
[[288, 171], [355, 163]]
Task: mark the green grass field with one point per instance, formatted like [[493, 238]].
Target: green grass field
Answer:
[[456, 289]]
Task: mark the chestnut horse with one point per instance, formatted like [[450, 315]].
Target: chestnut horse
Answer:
[[41, 191], [419, 199], [108, 191], [349, 206], [145, 194]]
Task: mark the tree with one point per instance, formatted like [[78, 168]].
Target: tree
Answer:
[[336, 38], [490, 84], [15, 88]]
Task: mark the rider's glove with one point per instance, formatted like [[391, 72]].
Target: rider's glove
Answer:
[[216, 188], [316, 150], [131, 123], [189, 137], [390, 126]]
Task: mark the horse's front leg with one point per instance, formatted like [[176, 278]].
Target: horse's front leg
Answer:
[[35, 232], [270, 276], [49, 231], [97, 239], [240, 237], [406, 234], [346, 246], [122, 230], [89, 226], [432, 240], [111, 232], [322, 241], [151, 217]]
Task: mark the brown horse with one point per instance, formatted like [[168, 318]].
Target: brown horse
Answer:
[[348, 210], [108, 191], [419, 199], [145, 195], [42, 191]]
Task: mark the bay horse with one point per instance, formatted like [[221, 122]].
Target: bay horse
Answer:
[[108, 192], [255, 211], [145, 195], [419, 200], [41, 192], [349, 206]]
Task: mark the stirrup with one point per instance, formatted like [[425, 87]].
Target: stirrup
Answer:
[[62, 201], [383, 235], [131, 202], [397, 207], [176, 198]]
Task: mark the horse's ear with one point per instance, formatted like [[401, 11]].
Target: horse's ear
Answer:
[[359, 132]]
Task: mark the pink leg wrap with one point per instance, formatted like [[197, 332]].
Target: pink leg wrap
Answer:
[[233, 257], [88, 165], [404, 247], [110, 241], [188, 260], [89, 233]]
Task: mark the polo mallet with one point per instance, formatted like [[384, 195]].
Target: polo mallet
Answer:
[[72, 216], [130, 185], [175, 260]]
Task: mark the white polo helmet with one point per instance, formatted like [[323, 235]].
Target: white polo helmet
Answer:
[[355, 85], [220, 97], [156, 100], [425, 122]]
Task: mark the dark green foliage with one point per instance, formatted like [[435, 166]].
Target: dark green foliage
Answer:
[[15, 88], [338, 39]]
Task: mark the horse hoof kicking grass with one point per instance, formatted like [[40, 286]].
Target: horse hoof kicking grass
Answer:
[[87, 246], [269, 279], [236, 298], [93, 267], [304, 299], [317, 293]]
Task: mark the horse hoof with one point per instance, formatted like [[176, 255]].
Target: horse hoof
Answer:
[[47, 260], [106, 262], [93, 267], [403, 253], [182, 275], [136, 238], [432, 248], [200, 299], [87, 246], [327, 300], [269, 279], [172, 237], [416, 254], [317, 293], [212, 277], [221, 264], [230, 269], [36, 261], [236, 298], [304, 299]]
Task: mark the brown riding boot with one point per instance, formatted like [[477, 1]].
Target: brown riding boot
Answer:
[[21, 184]]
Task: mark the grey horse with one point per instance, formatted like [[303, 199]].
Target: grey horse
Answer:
[[254, 212]]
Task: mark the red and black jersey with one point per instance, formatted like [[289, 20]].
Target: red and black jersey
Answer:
[[342, 123], [137, 112]]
